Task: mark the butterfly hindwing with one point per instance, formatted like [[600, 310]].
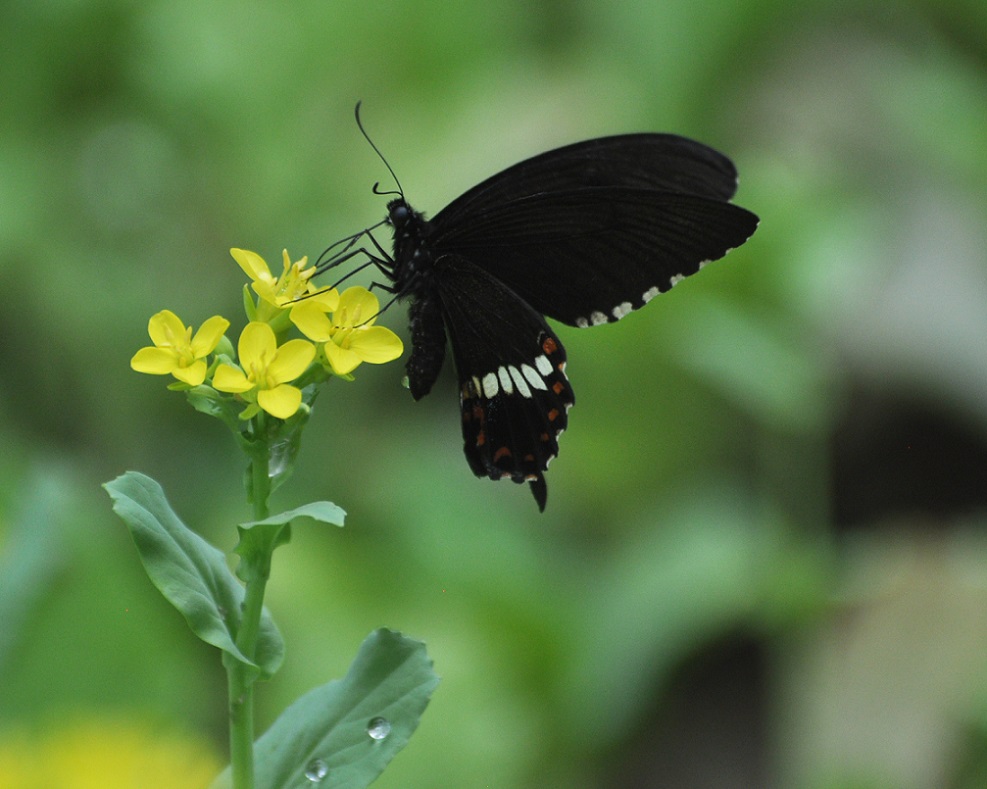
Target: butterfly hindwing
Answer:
[[514, 392]]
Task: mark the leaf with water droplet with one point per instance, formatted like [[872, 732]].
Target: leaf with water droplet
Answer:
[[392, 675]]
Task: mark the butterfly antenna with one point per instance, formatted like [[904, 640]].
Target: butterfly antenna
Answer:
[[366, 136]]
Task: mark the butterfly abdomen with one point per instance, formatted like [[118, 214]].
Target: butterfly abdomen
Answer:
[[412, 273], [428, 343]]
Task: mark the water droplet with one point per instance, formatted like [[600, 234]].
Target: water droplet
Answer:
[[378, 728], [280, 456], [316, 770]]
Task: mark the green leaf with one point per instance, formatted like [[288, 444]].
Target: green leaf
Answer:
[[207, 400], [322, 511], [191, 574], [391, 678], [258, 539], [249, 306]]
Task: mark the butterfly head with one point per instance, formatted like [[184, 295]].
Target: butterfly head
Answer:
[[399, 213], [412, 257]]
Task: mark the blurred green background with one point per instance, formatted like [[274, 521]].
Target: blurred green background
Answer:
[[763, 561]]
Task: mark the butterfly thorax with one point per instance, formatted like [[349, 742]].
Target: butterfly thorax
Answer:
[[413, 263]]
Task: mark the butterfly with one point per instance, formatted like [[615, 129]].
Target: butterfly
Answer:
[[583, 234]]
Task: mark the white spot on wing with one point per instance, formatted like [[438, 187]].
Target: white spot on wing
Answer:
[[505, 380], [621, 310], [676, 279], [532, 375], [649, 294], [519, 382], [582, 323], [489, 385], [597, 317], [544, 365]]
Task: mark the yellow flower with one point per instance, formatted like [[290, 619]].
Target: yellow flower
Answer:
[[349, 334], [265, 370], [176, 352], [284, 291]]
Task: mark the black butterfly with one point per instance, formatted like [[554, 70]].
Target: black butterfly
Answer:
[[583, 234]]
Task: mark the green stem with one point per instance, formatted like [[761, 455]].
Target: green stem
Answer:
[[241, 694], [240, 676], [241, 681]]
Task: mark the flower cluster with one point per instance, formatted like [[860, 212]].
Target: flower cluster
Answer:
[[269, 371]]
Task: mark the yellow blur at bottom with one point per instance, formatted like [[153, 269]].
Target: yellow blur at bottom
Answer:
[[105, 754]]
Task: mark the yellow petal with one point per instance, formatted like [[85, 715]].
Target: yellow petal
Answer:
[[357, 306], [328, 298], [166, 329], [267, 290], [257, 345], [208, 336], [155, 361], [253, 265], [231, 379], [291, 360], [376, 344], [194, 374], [281, 401], [342, 360], [311, 320]]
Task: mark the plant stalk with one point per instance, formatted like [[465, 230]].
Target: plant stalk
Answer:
[[241, 677]]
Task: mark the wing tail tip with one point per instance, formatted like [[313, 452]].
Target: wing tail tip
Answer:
[[539, 489]]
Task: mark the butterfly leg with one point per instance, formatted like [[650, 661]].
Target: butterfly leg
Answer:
[[327, 261]]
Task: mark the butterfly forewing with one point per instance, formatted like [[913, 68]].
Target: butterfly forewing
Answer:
[[662, 162], [511, 368], [592, 255]]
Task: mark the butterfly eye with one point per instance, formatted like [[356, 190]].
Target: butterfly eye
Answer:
[[399, 213]]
